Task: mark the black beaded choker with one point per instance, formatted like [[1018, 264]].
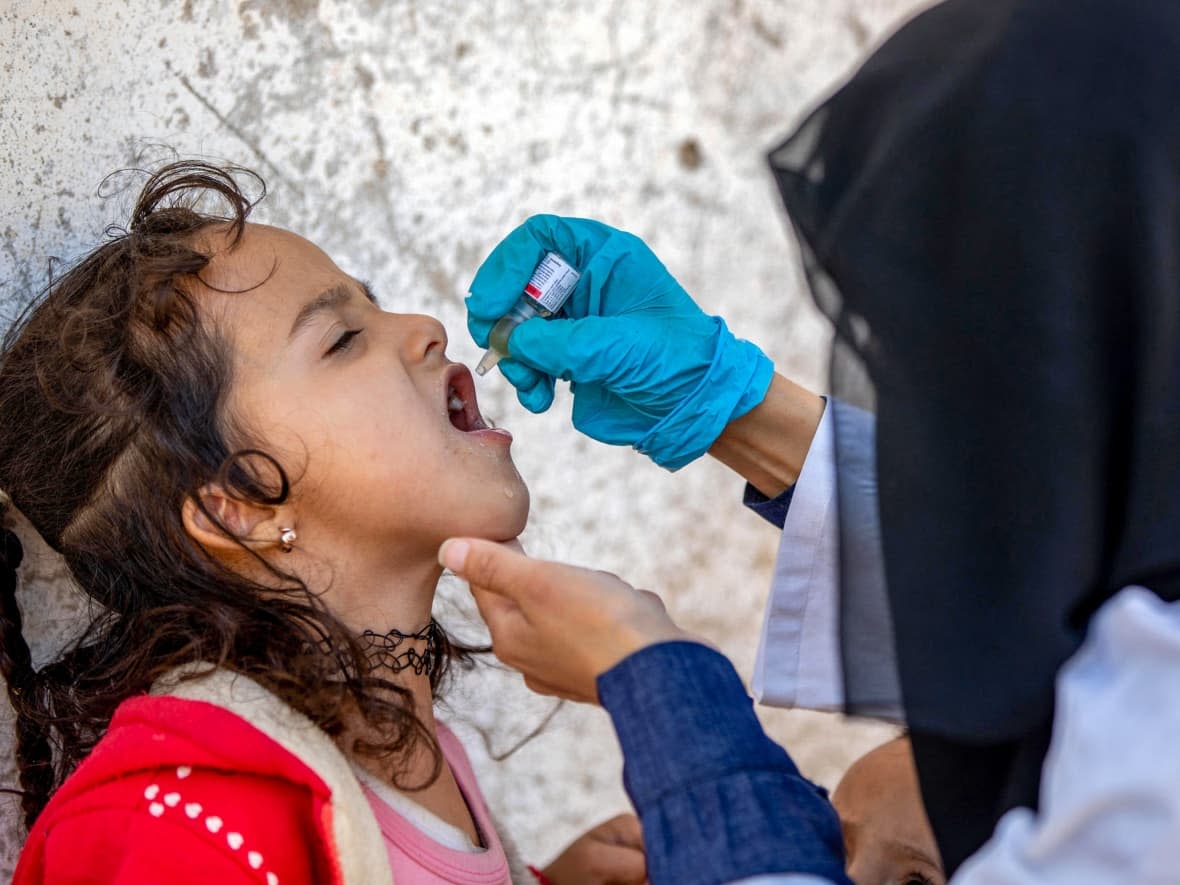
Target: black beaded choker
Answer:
[[383, 649]]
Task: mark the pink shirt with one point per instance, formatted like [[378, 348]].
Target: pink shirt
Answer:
[[417, 859]]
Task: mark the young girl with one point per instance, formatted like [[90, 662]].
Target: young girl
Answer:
[[250, 466]]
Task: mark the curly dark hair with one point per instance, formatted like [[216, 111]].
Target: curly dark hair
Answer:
[[112, 416]]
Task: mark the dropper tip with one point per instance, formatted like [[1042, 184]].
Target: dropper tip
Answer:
[[490, 358]]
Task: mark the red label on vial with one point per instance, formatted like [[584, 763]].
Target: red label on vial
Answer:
[[532, 290]]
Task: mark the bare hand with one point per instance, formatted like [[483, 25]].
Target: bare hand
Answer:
[[609, 854], [559, 625]]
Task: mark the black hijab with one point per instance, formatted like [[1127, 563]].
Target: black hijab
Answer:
[[990, 213]]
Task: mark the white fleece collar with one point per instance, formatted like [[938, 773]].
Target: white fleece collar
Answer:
[[361, 855]]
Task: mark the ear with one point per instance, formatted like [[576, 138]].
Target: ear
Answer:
[[258, 526]]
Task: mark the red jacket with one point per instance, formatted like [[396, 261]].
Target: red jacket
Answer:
[[216, 781]]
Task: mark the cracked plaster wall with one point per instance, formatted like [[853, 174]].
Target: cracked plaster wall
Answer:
[[405, 138]]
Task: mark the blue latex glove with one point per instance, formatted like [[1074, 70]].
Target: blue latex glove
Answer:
[[649, 368]]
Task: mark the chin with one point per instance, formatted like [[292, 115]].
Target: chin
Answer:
[[499, 520], [515, 522]]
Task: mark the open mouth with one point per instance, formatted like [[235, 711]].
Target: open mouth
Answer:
[[462, 408]]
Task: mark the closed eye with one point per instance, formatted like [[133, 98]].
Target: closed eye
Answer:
[[344, 342]]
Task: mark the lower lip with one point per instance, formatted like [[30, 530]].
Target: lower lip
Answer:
[[498, 436]]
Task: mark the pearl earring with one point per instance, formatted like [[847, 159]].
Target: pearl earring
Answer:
[[287, 540]]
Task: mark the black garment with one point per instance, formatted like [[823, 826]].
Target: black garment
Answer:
[[990, 212]]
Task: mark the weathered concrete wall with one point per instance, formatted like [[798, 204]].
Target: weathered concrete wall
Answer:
[[405, 138]]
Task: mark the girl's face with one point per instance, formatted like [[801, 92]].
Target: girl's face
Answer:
[[357, 403]]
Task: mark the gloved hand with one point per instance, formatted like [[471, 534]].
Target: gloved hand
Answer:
[[649, 368]]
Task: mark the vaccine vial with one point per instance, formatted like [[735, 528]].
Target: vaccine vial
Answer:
[[548, 289]]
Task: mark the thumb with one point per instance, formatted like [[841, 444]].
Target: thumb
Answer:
[[493, 568], [585, 350]]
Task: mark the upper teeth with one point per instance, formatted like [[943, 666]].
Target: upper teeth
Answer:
[[455, 404]]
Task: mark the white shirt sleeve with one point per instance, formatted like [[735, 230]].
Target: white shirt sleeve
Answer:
[[1110, 792], [798, 660]]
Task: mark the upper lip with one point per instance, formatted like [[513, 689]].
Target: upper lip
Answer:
[[457, 379]]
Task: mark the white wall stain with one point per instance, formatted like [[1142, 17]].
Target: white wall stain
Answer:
[[406, 138]]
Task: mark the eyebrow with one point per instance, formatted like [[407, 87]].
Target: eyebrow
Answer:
[[910, 853], [852, 830], [327, 300]]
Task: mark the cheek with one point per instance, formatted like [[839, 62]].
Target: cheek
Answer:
[[379, 436], [274, 428], [329, 449]]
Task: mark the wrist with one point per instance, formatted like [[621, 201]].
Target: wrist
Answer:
[[768, 445], [630, 639], [688, 696]]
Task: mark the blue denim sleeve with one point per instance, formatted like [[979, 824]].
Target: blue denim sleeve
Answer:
[[718, 799]]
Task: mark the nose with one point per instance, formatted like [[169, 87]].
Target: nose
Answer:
[[419, 336]]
